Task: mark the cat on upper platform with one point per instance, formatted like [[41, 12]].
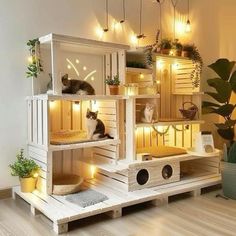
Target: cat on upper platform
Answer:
[[73, 86]]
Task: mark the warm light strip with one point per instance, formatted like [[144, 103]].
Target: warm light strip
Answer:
[[91, 73], [76, 71]]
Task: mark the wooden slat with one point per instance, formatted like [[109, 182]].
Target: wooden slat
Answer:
[[40, 122], [35, 122], [30, 121]]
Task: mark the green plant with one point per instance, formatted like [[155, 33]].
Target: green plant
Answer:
[[113, 81], [165, 44], [196, 58], [23, 167], [223, 85], [34, 66], [177, 45]]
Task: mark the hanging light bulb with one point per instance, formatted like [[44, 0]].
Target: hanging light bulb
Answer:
[[123, 20], [188, 25], [141, 35], [106, 29]]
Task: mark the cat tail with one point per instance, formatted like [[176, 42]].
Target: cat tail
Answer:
[[106, 135]]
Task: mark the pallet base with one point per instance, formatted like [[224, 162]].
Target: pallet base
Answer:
[[61, 212]]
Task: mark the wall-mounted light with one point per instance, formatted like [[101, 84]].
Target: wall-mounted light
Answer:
[[76, 106], [188, 24], [159, 64], [106, 29], [52, 104]]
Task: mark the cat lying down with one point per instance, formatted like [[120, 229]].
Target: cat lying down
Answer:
[[73, 86], [95, 127]]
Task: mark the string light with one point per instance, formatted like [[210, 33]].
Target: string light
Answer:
[[106, 29], [77, 61], [188, 25]]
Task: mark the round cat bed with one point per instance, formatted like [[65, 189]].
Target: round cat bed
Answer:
[[68, 137], [67, 184]]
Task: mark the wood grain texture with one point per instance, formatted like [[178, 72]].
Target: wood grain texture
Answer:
[[204, 215]]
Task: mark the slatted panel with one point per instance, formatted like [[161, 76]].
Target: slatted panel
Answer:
[[108, 113], [183, 81]]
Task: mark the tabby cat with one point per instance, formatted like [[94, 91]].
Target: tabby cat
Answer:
[[74, 86]]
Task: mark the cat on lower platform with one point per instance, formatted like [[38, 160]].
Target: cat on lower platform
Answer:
[[95, 127], [147, 113], [73, 86]]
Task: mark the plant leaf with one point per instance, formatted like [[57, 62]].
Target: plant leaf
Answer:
[[209, 104], [227, 134], [217, 97], [222, 126], [225, 110], [233, 81], [222, 87], [223, 68], [207, 110]]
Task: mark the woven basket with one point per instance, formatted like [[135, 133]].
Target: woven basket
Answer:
[[190, 112], [67, 184]]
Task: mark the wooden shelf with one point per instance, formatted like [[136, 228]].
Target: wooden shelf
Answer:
[[174, 58], [166, 123], [189, 94], [144, 96], [84, 145], [74, 97], [133, 70]]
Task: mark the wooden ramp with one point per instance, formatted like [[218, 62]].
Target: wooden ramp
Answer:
[[61, 212]]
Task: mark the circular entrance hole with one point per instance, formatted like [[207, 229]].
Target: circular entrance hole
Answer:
[[142, 177], [167, 172]]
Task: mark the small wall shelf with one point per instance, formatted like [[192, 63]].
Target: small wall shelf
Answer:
[[166, 123], [138, 70]]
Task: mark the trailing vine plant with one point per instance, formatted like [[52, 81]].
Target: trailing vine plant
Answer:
[[34, 67]]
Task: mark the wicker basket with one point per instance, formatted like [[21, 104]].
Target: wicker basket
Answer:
[[67, 184], [190, 112]]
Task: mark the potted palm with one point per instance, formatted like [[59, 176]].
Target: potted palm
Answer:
[[224, 85], [113, 84], [27, 170]]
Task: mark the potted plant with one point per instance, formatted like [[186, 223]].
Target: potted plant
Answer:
[[224, 86], [165, 46], [113, 84], [27, 170], [177, 47]]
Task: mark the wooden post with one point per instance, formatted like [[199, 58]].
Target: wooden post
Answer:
[[130, 129], [56, 76], [60, 228]]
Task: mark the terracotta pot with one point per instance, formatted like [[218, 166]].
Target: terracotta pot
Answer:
[[165, 51], [185, 54], [178, 53], [114, 89], [27, 184]]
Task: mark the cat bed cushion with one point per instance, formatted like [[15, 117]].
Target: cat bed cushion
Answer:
[[86, 198], [162, 151]]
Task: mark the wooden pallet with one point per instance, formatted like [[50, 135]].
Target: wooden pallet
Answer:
[[61, 212]]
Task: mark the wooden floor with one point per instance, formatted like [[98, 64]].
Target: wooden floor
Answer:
[[203, 215]]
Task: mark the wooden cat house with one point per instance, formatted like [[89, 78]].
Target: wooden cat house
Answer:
[[114, 167]]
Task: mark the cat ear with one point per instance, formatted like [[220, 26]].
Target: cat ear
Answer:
[[88, 110]]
